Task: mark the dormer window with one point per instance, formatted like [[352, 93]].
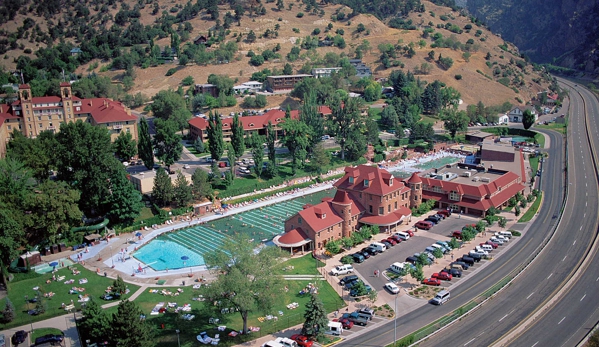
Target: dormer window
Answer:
[[252, 125], [324, 215], [391, 181], [366, 183], [351, 180]]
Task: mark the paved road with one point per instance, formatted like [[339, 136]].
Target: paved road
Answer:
[[561, 325], [538, 231]]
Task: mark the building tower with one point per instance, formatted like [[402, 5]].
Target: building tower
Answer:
[[66, 95], [29, 122], [415, 184], [341, 203]]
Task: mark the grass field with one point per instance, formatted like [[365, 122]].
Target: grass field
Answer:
[[534, 164], [44, 331], [19, 288], [532, 210], [559, 127]]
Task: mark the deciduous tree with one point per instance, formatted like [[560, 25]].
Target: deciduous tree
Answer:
[[296, 139], [237, 136], [200, 184], [125, 146], [216, 144], [344, 121], [167, 142], [320, 158], [163, 187], [245, 277], [144, 146], [454, 121], [257, 152]]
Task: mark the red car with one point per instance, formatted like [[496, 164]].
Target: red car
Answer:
[[347, 324], [442, 276], [431, 282], [423, 224], [410, 232], [302, 340], [391, 241], [490, 243], [396, 238]]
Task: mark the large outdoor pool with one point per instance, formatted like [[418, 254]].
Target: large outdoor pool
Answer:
[[165, 251]]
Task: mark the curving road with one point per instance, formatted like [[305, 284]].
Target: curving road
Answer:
[[565, 321], [554, 186]]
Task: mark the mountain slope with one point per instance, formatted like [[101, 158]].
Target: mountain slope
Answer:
[[561, 31]]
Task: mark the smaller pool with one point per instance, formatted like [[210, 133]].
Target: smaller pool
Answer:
[[520, 139], [45, 268], [162, 254], [437, 163]]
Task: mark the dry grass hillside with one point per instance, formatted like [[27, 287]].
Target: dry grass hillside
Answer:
[[474, 86]]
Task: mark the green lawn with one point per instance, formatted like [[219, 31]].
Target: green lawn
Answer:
[[532, 210], [305, 265], [203, 311], [44, 331], [23, 285], [145, 213], [534, 164], [559, 127]]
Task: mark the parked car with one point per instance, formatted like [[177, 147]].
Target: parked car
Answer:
[[347, 324], [496, 240], [446, 213], [19, 337], [410, 232], [490, 243], [302, 340], [366, 312], [442, 276], [431, 282], [349, 285], [347, 279], [396, 238], [501, 237], [463, 265], [342, 270], [354, 292], [358, 258], [439, 215], [457, 234], [373, 250], [387, 243], [391, 241], [412, 260], [365, 254], [453, 271], [392, 287], [423, 224], [355, 318], [370, 251], [51, 338], [432, 219]]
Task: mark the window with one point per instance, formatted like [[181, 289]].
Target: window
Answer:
[[455, 196], [391, 181], [9, 127], [49, 117], [381, 210], [29, 119], [39, 118], [360, 195], [388, 208], [396, 205], [128, 130], [366, 183], [351, 180], [299, 220], [370, 195], [370, 208], [40, 125]]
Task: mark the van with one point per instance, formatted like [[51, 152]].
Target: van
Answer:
[[425, 225], [378, 246], [403, 235], [286, 342], [347, 279], [487, 248], [342, 270], [506, 234], [430, 249], [398, 267], [335, 328], [441, 297], [468, 260]]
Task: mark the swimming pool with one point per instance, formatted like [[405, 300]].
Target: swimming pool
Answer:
[[45, 268], [437, 163], [260, 224]]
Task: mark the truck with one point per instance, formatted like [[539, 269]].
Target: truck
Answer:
[[355, 318]]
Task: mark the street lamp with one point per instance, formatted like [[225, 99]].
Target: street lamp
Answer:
[[30, 321], [178, 340]]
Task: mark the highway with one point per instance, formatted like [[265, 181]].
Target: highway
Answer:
[[539, 231], [498, 319]]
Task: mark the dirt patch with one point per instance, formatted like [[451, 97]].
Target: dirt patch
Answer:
[[424, 292]]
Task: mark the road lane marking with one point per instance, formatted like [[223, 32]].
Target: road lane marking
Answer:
[[551, 274], [583, 297], [597, 279], [564, 258], [529, 295], [560, 322], [573, 243], [469, 341], [502, 318], [536, 343]]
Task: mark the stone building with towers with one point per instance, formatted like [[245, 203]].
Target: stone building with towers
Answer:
[[369, 195], [31, 115]]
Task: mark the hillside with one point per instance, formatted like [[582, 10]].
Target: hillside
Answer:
[[564, 31], [479, 77]]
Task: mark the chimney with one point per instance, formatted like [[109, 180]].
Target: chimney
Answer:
[[90, 102], [1, 110]]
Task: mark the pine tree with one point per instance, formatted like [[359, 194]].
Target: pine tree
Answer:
[[257, 153], [200, 184], [95, 322], [316, 318], [198, 145], [181, 191], [288, 112], [216, 143], [119, 286], [271, 138], [9, 311], [144, 147], [128, 328], [237, 140], [163, 187], [231, 157]]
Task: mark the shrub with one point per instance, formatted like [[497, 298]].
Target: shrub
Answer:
[[300, 14], [348, 259], [257, 60], [316, 31], [515, 233], [458, 77], [517, 211], [171, 71]]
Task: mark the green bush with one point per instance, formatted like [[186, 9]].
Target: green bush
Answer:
[[300, 15], [171, 71], [348, 259], [458, 77], [515, 233]]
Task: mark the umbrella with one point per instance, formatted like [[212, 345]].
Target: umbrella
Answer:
[[54, 263], [138, 234]]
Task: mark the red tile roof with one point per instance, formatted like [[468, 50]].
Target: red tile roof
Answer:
[[248, 122], [414, 178], [341, 197], [388, 219], [105, 110], [293, 238], [313, 216], [484, 204], [378, 179]]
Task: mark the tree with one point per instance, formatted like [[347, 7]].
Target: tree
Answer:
[[124, 200], [165, 103], [163, 187], [280, 5], [316, 322], [200, 184], [271, 138], [216, 144], [256, 142], [389, 117], [438, 253], [422, 131], [37, 154], [128, 329], [296, 139], [417, 272], [250, 37], [181, 191], [287, 69], [8, 314], [454, 121], [245, 279], [345, 122], [84, 160], [53, 210], [125, 146], [528, 119], [310, 115], [144, 146], [167, 142], [198, 145], [95, 322], [320, 158], [231, 158], [237, 137]]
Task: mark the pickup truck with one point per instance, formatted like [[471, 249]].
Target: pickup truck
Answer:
[[355, 318]]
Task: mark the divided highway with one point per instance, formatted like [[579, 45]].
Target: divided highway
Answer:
[[499, 317]]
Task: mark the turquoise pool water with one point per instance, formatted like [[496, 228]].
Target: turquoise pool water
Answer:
[[259, 224], [437, 163], [46, 268], [520, 139]]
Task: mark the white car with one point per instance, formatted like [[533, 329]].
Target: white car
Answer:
[[481, 251], [501, 237], [392, 287], [496, 240]]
